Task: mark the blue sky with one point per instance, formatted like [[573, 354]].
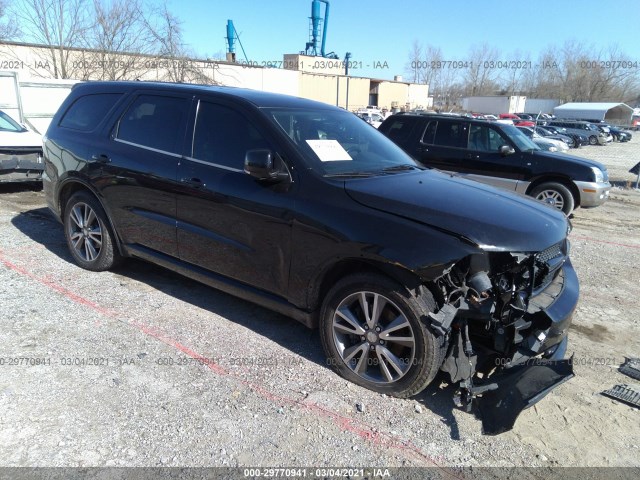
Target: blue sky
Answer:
[[384, 30]]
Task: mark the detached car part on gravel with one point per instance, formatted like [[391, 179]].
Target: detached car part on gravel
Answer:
[[305, 209]]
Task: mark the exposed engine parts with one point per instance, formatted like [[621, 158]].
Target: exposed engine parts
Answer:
[[491, 320]]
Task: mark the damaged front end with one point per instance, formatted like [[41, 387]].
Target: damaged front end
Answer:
[[506, 316]]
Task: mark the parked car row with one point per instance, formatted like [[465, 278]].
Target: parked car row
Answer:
[[596, 136], [618, 133], [372, 118], [544, 142]]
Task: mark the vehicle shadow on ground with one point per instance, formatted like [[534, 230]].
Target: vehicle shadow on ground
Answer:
[[438, 398], [16, 187], [41, 227]]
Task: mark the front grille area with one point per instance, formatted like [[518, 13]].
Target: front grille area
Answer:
[[548, 295], [550, 253], [547, 264]]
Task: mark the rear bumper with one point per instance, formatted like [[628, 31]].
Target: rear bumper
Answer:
[[20, 166], [593, 194], [20, 176]]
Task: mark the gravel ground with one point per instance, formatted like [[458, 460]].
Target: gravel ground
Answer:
[[142, 367]]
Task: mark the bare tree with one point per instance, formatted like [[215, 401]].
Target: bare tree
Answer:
[[8, 27], [481, 78], [413, 66], [174, 57], [569, 72], [119, 28], [59, 25]]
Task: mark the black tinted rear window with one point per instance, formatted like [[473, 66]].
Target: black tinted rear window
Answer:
[[155, 121], [398, 128], [86, 112], [451, 134]]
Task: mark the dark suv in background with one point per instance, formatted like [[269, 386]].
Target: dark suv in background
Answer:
[[499, 155], [593, 133], [305, 209]]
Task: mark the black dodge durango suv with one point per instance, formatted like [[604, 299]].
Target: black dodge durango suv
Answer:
[[305, 209], [499, 155]]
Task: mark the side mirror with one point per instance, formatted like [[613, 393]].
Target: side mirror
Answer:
[[262, 165], [506, 150]]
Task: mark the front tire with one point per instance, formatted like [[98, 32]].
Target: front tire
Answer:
[[88, 235], [374, 334], [593, 140], [555, 194]]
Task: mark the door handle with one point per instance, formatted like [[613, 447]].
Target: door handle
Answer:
[[100, 158], [473, 157], [193, 182]]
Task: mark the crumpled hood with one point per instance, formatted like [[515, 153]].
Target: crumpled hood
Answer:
[[485, 215], [20, 139]]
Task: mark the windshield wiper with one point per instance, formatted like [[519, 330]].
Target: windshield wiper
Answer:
[[401, 168], [350, 174]]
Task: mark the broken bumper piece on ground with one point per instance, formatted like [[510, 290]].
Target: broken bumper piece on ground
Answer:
[[518, 388]]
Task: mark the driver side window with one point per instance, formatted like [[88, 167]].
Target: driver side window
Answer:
[[222, 136], [496, 140], [485, 139]]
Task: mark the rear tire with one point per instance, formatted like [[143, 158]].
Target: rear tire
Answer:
[[88, 234], [556, 195], [374, 333]]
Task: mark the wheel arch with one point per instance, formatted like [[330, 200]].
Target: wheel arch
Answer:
[[75, 185], [567, 182], [348, 266]]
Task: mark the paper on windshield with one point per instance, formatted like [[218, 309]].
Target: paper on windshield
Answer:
[[329, 150]]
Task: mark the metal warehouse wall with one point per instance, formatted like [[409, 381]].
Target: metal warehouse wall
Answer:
[[31, 64], [333, 90]]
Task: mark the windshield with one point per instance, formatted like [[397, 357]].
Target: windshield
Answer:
[[8, 124], [338, 143], [520, 139]]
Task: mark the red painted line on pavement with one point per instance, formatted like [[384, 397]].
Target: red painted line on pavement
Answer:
[[356, 427], [58, 288], [158, 335], [351, 425], [590, 239]]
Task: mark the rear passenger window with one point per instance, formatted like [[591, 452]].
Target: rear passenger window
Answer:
[[451, 134], [86, 112], [222, 136], [400, 129], [156, 122], [430, 133]]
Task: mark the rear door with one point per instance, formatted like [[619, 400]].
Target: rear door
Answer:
[[228, 222], [444, 145], [138, 169]]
